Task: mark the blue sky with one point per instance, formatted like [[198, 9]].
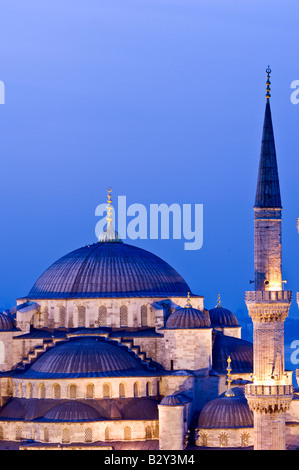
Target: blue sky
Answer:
[[164, 101]]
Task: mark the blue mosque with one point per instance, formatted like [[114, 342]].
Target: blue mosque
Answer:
[[112, 350]]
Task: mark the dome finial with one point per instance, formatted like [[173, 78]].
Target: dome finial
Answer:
[[109, 207], [268, 83], [109, 234], [219, 302], [229, 392], [188, 304]]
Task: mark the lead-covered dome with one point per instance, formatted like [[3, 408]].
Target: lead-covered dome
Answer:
[[85, 357], [109, 269], [187, 317], [72, 411], [226, 412], [5, 322]]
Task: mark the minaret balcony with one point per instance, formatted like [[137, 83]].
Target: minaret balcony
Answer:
[[268, 296]]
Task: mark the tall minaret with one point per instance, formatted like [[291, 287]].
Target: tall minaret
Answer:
[[270, 394]]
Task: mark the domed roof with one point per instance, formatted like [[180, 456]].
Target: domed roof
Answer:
[[171, 400], [85, 357], [226, 412], [239, 350], [72, 411], [5, 322], [109, 269], [187, 317], [221, 317]]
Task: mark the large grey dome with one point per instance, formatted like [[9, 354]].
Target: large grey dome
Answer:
[[85, 357], [109, 269]]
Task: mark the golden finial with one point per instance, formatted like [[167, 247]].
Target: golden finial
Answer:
[[188, 304], [229, 392], [219, 302], [268, 89], [109, 207]]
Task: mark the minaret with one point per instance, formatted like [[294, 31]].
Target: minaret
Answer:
[[270, 394]]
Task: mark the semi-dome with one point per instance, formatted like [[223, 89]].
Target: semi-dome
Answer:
[[109, 269], [5, 322], [239, 350], [85, 357], [226, 412], [187, 317], [72, 411], [172, 400]]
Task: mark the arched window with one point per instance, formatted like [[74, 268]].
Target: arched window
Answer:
[[88, 435], [136, 389], [102, 316], [144, 321], [46, 316], [62, 316], [73, 391], [41, 391], [122, 390], [20, 390], [29, 390], [245, 439], [90, 391], [1, 432], [148, 432], [2, 353], [223, 439], [127, 433], [56, 391], [123, 315], [107, 434], [203, 439], [106, 391], [149, 389], [66, 436], [81, 315]]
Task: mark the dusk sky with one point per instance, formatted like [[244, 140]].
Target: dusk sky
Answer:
[[163, 100]]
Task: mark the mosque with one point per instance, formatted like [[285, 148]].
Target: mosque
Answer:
[[111, 350]]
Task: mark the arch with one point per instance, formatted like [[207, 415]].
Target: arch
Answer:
[[1, 433], [122, 390], [149, 389], [106, 390], [88, 435], [203, 439], [66, 438], [123, 311], [107, 434], [72, 391], [41, 391], [102, 316], [127, 433], [137, 389], [56, 391], [90, 391], [81, 315], [223, 439], [18, 433], [144, 314], [20, 390], [2, 352], [245, 439]]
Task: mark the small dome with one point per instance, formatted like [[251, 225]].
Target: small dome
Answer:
[[172, 400], [5, 322], [85, 357], [221, 317], [226, 412], [187, 317], [72, 411]]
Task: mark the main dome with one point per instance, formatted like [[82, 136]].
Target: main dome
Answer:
[[109, 269]]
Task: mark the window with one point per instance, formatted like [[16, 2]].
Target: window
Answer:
[[106, 391], [18, 433], [62, 316], [149, 389], [148, 432], [136, 389], [29, 391], [81, 316], [107, 434], [102, 316], [56, 391], [90, 391], [122, 391], [20, 390], [203, 439], [127, 433], [123, 315], [73, 391], [41, 391], [66, 436], [46, 435], [223, 439], [245, 439], [144, 321], [88, 435]]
